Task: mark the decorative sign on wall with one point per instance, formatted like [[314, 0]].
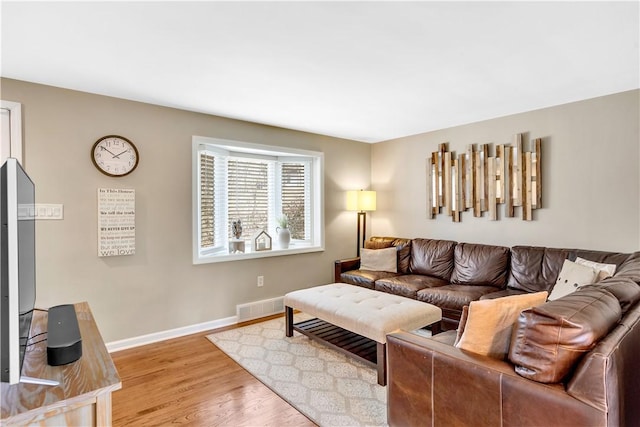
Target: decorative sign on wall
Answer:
[[479, 181], [116, 221]]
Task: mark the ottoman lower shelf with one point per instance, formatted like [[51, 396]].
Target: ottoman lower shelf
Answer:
[[356, 320], [342, 340]]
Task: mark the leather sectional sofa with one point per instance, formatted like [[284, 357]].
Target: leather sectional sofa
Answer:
[[450, 275], [574, 361]]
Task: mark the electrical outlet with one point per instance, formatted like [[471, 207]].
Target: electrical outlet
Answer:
[[260, 281]]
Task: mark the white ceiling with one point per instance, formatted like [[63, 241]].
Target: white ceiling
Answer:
[[368, 71]]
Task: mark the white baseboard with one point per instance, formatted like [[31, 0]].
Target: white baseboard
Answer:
[[171, 333]]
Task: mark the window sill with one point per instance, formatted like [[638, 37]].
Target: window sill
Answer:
[[225, 257]]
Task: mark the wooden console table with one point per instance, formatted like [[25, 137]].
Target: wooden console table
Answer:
[[83, 397]]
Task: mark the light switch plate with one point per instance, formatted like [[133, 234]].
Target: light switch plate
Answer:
[[49, 211]]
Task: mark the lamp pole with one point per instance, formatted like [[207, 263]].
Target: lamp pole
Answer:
[[362, 219], [361, 202]]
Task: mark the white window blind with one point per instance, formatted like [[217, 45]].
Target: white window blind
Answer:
[[207, 201], [212, 200], [249, 192], [295, 198]]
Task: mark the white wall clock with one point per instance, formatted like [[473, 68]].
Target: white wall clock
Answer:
[[114, 155]]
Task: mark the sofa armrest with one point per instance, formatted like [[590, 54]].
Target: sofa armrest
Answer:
[[342, 265], [435, 383]]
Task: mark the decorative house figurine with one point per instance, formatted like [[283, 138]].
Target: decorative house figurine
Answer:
[[262, 241]]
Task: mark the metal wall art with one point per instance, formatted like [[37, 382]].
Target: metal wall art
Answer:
[[480, 181]]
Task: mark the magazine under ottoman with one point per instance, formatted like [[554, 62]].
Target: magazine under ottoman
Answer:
[[356, 320]]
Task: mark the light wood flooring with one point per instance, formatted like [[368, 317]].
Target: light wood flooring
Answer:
[[190, 381]]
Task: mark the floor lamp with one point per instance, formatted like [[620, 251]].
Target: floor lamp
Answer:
[[362, 202]]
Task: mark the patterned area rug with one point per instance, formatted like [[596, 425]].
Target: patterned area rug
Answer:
[[328, 387]]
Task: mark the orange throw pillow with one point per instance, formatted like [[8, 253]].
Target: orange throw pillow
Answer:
[[489, 323]]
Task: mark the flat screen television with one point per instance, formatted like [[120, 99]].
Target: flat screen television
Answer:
[[18, 267]]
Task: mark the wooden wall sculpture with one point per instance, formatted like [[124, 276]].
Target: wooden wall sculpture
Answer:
[[479, 181]]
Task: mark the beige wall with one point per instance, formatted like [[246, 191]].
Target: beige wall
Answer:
[[591, 198], [158, 288], [591, 178]]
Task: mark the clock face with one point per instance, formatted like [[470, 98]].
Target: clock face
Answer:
[[114, 155]]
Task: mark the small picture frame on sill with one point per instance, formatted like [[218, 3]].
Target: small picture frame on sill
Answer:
[[261, 241]]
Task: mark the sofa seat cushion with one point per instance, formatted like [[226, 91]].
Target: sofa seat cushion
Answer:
[[548, 340], [365, 278], [408, 285], [432, 258], [503, 293], [484, 265], [453, 297]]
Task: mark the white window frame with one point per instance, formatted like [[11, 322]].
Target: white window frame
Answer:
[[11, 139], [316, 242]]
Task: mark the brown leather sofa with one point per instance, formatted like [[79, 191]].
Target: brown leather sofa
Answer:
[[572, 362], [450, 275]]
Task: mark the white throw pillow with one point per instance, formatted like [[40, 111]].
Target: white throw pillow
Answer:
[[604, 270], [571, 277], [379, 259]]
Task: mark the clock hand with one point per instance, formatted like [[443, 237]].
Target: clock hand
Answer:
[[104, 149], [117, 156]]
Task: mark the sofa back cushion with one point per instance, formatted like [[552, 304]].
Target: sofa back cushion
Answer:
[[602, 257], [432, 258], [480, 265], [630, 268], [535, 268], [402, 245], [549, 339], [625, 290]]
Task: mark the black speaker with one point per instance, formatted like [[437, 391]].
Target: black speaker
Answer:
[[64, 343]]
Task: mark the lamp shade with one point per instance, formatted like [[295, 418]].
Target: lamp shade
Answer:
[[360, 200]]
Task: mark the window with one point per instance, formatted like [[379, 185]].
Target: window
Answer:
[[254, 185], [11, 127]]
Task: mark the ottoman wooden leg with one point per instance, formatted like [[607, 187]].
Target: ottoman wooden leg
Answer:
[[288, 314], [436, 328], [381, 363]]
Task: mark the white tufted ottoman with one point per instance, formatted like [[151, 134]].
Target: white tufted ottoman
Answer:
[[356, 319]]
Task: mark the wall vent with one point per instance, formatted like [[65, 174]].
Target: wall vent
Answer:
[[255, 310]]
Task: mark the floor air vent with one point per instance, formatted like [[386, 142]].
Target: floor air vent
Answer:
[[255, 310]]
